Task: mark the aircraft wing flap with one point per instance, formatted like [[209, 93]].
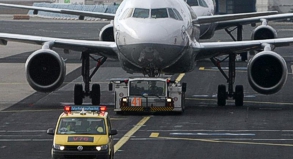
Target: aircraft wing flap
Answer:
[[63, 11], [107, 49], [213, 49]]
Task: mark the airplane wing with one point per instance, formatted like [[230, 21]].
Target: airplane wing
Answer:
[[81, 14], [226, 17], [107, 49], [213, 49], [245, 21], [230, 20]]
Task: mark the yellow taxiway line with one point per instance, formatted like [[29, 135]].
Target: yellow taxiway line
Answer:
[[127, 136], [179, 78]]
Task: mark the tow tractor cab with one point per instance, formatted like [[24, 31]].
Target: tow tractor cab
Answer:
[[147, 94], [83, 131]]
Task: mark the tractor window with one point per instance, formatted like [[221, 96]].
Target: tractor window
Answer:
[[152, 88]]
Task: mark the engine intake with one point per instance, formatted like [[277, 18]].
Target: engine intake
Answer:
[[45, 70], [267, 72], [263, 32], [107, 33]]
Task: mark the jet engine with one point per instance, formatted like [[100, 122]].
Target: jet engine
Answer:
[[107, 33], [267, 72], [263, 32], [45, 70]]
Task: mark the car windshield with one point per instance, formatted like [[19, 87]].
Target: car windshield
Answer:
[[152, 88], [81, 126]]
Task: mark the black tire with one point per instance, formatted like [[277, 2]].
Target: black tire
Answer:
[[96, 94], [239, 95], [78, 94], [222, 95]]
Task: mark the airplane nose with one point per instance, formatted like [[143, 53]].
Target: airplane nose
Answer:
[[151, 45]]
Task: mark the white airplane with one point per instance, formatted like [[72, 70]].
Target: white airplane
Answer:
[[160, 37]]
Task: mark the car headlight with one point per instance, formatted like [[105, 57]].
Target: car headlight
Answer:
[[103, 147], [169, 99], [58, 147]]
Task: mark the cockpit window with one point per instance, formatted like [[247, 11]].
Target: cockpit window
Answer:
[[178, 14], [192, 2], [155, 13], [202, 3], [127, 13], [141, 13], [172, 14], [159, 13]]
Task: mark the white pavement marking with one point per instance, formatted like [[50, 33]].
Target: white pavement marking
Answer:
[[212, 134]]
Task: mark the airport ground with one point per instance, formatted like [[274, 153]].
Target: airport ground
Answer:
[[260, 129]]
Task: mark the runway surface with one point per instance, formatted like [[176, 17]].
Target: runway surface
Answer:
[[262, 128]]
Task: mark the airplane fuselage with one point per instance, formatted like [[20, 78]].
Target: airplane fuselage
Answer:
[[156, 35]]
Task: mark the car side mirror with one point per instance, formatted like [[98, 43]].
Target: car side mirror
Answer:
[[110, 86], [50, 131], [113, 132], [183, 87]]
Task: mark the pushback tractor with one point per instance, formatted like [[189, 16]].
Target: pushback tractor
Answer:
[[147, 94]]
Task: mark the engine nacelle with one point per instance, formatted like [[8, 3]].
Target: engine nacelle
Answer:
[[263, 32], [267, 72], [45, 70], [107, 33]]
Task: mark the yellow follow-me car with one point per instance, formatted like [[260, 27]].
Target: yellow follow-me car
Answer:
[[83, 131]]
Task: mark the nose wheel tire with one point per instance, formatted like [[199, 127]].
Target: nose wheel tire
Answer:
[[222, 95], [239, 95], [78, 94], [95, 94]]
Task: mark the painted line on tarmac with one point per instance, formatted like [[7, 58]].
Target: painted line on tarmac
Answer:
[[179, 78], [154, 135], [228, 142], [203, 130], [128, 135], [212, 134], [25, 140], [254, 102], [215, 95]]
